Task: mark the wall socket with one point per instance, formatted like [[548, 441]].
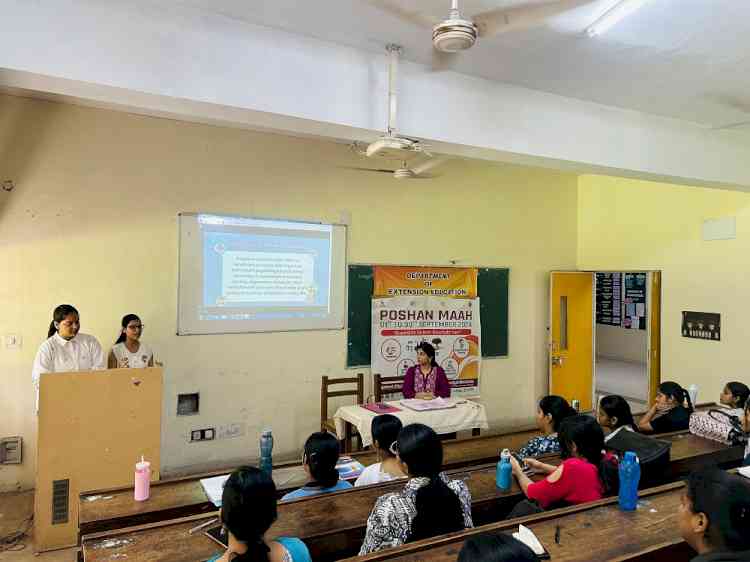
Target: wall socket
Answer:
[[208, 434], [13, 341]]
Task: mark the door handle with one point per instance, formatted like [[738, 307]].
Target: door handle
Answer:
[[557, 360]]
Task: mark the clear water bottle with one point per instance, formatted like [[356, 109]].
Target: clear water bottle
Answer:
[[266, 451], [503, 473], [693, 392], [630, 476]]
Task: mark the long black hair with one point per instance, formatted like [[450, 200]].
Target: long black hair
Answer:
[[385, 429], [127, 319], [616, 406], [558, 408], [673, 390], [321, 455], [725, 500], [439, 510], [248, 508], [429, 351], [495, 547], [740, 392], [588, 437], [58, 315]]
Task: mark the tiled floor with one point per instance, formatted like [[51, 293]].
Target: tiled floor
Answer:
[[15, 511], [629, 380]]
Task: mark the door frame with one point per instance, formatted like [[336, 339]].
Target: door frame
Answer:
[[654, 280]]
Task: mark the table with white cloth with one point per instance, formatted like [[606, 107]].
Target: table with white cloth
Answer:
[[468, 414]]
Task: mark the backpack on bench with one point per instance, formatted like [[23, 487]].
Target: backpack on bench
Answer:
[[653, 454]]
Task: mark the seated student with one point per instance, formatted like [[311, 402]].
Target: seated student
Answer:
[[248, 508], [580, 478], [430, 504], [495, 547], [714, 516], [614, 415], [319, 460], [550, 413], [734, 396], [385, 430], [426, 379], [670, 412], [129, 351]]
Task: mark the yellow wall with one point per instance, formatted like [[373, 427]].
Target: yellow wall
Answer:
[[92, 222], [630, 224]]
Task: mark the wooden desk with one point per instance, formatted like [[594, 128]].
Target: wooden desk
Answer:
[[593, 532], [182, 497], [334, 525]]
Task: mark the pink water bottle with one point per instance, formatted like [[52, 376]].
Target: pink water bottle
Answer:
[[142, 480]]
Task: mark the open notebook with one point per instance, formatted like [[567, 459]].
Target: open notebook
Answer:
[[527, 537]]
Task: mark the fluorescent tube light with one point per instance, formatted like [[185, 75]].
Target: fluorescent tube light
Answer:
[[616, 13]]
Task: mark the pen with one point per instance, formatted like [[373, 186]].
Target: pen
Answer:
[[202, 526], [557, 534]]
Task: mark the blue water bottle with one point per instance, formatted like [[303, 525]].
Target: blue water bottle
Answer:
[[266, 450], [504, 471], [630, 475]]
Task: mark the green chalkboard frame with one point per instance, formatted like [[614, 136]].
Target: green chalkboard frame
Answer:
[[492, 287]]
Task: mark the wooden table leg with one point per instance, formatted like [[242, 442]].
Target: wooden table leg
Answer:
[[348, 438]]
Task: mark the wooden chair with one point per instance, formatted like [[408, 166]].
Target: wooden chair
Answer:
[[386, 385], [326, 423]]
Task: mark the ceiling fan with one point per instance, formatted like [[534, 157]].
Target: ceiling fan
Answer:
[[391, 145], [405, 171], [458, 33]]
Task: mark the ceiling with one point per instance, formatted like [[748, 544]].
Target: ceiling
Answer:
[[687, 59]]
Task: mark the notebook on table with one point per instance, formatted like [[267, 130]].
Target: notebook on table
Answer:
[[381, 408]]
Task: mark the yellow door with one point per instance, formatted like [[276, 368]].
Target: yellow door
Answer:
[[571, 371], [654, 358]]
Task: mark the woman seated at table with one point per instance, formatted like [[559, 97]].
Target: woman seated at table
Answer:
[[550, 413], [426, 379], [614, 415], [429, 505], [319, 461], [670, 412], [714, 516], [385, 429], [248, 509], [582, 476]]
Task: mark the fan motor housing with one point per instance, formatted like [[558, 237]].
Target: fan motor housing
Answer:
[[453, 35]]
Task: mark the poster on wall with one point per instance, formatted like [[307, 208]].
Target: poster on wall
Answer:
[[701, 325], [634, 301], [450, 282], [609, 299], [452, 326]]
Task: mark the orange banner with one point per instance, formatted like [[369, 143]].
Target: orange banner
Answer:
[[451, 282]]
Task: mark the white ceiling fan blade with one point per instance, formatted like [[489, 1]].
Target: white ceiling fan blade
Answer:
[[392, 7], [425, 167], [731, 126], [359, 169], [499, 21]]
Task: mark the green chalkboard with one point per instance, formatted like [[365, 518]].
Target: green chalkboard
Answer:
[[492, 286]]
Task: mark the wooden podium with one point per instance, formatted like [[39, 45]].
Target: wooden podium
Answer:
[[93, 427]]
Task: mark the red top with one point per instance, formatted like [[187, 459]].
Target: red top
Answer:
[[579, 483]]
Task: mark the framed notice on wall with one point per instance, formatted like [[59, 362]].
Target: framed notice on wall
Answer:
[[609, 299], [701, 325], [634, 301]]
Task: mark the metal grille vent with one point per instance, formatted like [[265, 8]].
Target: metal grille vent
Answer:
[[60, 501]]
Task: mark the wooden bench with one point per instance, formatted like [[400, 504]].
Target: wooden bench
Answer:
[[592, 532], [333, 525], [115, 508]]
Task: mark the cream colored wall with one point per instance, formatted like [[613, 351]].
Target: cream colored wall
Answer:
[[92, 222], [628, 224]]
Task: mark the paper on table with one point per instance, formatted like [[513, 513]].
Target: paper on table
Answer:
[[527, 537], [424, 405], [214, 488]]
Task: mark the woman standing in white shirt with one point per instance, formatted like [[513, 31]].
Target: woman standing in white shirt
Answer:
[[128, 350], [66, 349]]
